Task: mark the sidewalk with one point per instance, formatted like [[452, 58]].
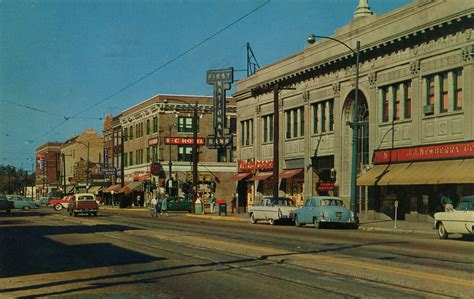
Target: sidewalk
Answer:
[[370, 225]]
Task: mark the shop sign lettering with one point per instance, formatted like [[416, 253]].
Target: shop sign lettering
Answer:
[[326, 186], [252, 165], [427, 152], [153, 141], [184, 141]]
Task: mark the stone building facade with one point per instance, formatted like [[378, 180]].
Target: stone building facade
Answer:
[[415, 91]]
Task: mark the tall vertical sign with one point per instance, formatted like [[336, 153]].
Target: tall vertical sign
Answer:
[[221, 79]]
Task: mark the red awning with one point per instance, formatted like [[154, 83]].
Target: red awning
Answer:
[[261, 176], [240, 176], [115, 188], [288, 173]]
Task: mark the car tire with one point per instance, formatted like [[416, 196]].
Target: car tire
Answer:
[[70, 213], [94, 214], [271, 221], [317, 224], [252, 219], [25, 208], [442, 233], [58, 207], [297, 222], [74, 214]]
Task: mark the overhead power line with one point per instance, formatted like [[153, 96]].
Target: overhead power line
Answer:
[[133, 83]]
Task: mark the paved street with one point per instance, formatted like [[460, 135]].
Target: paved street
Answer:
[[127, 253]]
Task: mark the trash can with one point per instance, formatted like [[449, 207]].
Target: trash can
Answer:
[[222, 204], [197, 207]]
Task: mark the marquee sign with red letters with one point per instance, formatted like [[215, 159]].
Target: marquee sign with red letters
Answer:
[[184, 141], [425, 152], [252, 165]]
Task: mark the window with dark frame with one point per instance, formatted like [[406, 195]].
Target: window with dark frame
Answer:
[[457, 89], [185, 153], [443, 92], [407, 100]]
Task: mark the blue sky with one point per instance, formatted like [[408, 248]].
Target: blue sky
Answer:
[[63, 57]]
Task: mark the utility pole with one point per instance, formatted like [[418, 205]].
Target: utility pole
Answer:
[[64, 172], [195, 156], [276, 141], [122, 170]]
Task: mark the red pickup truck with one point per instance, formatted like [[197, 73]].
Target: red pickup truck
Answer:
[[83, 203]]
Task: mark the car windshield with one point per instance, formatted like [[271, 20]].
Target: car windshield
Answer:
[[466, 204], [281, 201], [332, 202]]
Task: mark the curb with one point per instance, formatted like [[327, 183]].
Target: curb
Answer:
[[124, 209], [216, 218], [394, 230]]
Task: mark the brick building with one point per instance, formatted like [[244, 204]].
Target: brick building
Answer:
[[47, 168], [158, 136]]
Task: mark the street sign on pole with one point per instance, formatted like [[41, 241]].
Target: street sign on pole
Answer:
[[108, 170]]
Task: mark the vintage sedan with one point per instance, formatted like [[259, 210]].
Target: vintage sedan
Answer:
[[21, 202], [319, 210], [59, 204], [272, 210], [459, 221], [5, 204], [177, 203]]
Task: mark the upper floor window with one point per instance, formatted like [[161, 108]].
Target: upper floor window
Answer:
[[155, 124], [125, 134], [185, 124], [407, 99], [130, 131], [139, 130], [396, 102], [267, 128], [323, 117], [130, 157], [457, 89], [185, 153], [222, 154], [430, 90], [125, 159], [315, 117], [294, 122], [148, 127], [443, 92], [331, 115], [247, 132], [384, 100]]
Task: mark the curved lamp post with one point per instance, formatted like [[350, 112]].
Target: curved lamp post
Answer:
[[355, 122]]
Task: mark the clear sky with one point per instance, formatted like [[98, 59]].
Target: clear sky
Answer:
[[65, 64]]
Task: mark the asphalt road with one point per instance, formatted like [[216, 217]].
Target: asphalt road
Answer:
[[126, 253]]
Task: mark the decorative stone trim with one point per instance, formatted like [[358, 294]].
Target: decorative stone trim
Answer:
[[468, 53], [415, 68], [336, 88], [372, 80], [306, 96]]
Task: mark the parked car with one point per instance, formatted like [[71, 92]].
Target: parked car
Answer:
[[320, 210], [272, 209], [21, 202], [59, 204], [178, 203], [459, 221], [5, 204], [43, 201], [83, 203]]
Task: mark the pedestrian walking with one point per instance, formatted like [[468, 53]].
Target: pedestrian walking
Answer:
[[234, 203], [213, 203], [164, 207], [154, 206], [447, 203]]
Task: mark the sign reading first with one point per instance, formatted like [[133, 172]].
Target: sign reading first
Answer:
[[221, 79]]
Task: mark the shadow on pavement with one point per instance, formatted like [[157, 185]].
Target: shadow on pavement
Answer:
[[27, 250]]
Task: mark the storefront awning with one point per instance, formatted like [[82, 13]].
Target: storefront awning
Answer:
[[133, 186], [420, 173], [94, 189], [288, 173], [371, 176], [262, 176], [240, 176], [115, 188]]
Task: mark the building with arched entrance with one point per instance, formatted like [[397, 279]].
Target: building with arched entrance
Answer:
[[415, 113]]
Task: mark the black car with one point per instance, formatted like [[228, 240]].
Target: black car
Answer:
[[5, 204]]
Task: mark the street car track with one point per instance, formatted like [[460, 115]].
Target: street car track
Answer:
[[278, 263]]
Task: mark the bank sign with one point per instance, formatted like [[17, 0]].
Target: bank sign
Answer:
[[426, 152], [221, 79]]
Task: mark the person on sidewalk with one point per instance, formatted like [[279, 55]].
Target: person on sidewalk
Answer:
[[234, 203], [154, 206], [164, 207], [447, 203], [213, 203]]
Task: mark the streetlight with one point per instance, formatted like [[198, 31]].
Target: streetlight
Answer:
[[355, 122], [195, 154]]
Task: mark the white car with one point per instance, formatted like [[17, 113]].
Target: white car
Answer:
[[272, 210], [460, 221]]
